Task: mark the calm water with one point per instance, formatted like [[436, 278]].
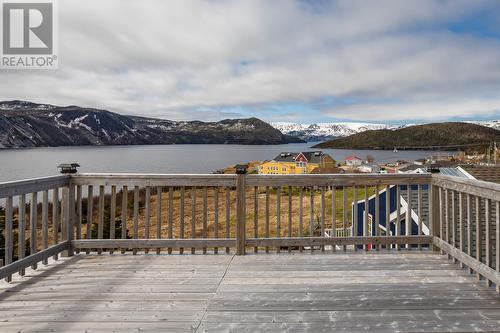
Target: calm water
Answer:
[[37, 162]]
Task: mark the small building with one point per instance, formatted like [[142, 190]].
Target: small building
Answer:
[[420, 161], [369, 168], [288, 163], [413, 168], [353, 161]]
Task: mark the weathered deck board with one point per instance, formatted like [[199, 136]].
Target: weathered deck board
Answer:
[[319, 292]]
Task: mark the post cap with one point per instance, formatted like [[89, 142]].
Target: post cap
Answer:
[[241, 169], [69, 167]]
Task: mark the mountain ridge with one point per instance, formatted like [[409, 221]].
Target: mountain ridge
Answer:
[[315, 132], [27, 124], [448, 136]]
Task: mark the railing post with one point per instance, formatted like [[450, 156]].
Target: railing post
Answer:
[[434, 213], [68, 210], [241, 170]]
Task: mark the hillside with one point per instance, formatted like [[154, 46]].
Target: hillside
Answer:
[[26, 124], [329, 131], [429, 136]]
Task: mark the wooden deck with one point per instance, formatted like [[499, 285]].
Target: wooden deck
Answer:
[[375, 292]]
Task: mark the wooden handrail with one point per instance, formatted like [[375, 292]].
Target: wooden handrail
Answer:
[[479, 188], [134, 179], [467, 211], [238, 194], [32, 185]]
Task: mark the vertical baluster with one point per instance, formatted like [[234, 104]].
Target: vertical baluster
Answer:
[[159, 191], [62, 223], [278, 216], [461, 234], [311, 224], [55, 218], [289, 215], [216, 216], [136, 216], [487, 221], [365, 217], [453, 228], [193, 216], [344, 214], [420, 213], [170, 226], [497, 241], [334, 215], [398, 214], [124, 213], [388, 213], [469, 228], [453, 219], [228, 214], [112, 213], [9, 234], [301, 217], [441, 216], [323, 213], [355, 214], [377, 215], [100, 218], [447, 216], [78, 213], [90, 206], [45, 222], [408, 219], [205, 217], [22, 229], [479, 236], [147, 214], [256, 215], [267, 216], [181, 217], [33, 225], [112, 216]]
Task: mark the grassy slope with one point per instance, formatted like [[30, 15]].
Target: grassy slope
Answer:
[[438, 134]]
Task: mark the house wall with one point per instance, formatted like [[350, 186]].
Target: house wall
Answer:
[[392, 205], [353, 162], [285, 168]]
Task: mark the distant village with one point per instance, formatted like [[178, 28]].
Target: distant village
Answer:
[[474, 166]]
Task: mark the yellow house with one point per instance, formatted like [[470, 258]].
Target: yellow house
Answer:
[[296, 163]]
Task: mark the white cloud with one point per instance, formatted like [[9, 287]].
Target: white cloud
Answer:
[[189, 59]]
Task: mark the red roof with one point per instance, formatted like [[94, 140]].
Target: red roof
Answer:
[[352, 157]]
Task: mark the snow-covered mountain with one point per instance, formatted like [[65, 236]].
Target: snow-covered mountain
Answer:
[[488, 123], [26, 124], [328, 131]]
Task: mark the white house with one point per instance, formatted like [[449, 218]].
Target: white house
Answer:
[[369, 168], [353, 161]]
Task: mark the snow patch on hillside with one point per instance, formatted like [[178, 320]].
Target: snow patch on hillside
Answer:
[[327, 131]]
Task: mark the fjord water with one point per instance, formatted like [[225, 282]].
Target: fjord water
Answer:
[[18, 164]]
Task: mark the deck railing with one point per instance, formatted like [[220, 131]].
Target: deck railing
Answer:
[[120, 213], [469, 224], [25, 213]]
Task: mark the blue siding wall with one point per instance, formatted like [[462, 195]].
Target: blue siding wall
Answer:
[[392, 205]]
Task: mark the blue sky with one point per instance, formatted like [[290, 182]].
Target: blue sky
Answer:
[[387, 61]]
